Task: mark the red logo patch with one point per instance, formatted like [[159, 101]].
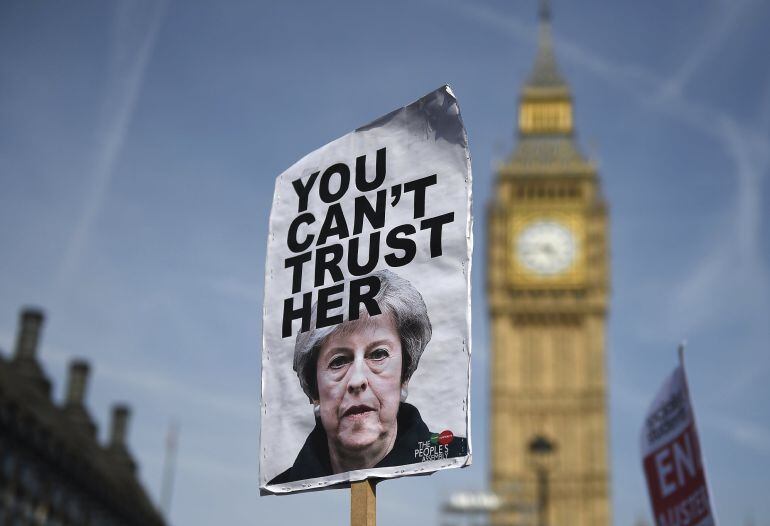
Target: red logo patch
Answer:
[[445, 437]]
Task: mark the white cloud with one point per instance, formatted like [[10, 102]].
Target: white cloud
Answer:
[[150, 384], [236, 289], [734, 268], [725, 19], [133, 42], [157, 385], [745, 434]]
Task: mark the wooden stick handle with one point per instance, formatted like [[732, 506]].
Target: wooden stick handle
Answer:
[[363, 503]]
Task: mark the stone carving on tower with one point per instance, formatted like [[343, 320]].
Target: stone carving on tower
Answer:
[[548, 286]]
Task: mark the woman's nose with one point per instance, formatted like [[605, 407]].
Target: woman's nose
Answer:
[[358, 379]]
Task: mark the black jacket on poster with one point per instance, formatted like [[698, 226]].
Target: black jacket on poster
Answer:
[[313, 459]]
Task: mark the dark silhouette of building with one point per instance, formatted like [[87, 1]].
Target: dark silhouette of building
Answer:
[[53, 470]]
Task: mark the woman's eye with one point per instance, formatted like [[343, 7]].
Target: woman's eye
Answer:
[[379, 354], [338, 361]]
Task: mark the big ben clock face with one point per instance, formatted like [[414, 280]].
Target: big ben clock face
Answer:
[[546, 248]]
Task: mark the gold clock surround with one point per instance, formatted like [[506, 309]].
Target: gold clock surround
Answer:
[[519, 276]]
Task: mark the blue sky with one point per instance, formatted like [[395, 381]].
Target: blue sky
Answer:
[[139, 142]]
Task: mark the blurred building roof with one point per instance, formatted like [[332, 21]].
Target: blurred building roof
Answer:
[[52, 466]]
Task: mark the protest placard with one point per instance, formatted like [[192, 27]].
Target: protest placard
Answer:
[[366, 324], [671, 457]]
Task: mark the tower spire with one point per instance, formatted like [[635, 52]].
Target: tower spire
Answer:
[[545, 72], [545, 11], [545, 106]]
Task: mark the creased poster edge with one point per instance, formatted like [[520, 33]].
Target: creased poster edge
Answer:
[[263, 354], [469, 268], [343, 480]]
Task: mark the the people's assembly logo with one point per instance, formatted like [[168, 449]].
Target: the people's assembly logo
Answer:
[[436, 448]]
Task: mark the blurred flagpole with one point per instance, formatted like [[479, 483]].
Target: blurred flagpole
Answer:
[[169, 466]]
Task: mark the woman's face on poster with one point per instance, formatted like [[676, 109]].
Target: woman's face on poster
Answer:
[[359, 382]]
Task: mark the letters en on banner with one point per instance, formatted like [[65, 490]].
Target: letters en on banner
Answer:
[[366, 322], [672, 460]]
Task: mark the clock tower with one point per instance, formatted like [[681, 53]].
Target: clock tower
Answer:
[[548, 284]]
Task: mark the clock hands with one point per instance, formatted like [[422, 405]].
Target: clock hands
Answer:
[[546, 248], [540, 248]]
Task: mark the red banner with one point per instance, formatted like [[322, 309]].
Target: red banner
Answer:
[[671, 455]]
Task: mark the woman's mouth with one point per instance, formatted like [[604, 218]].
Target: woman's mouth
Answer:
[[357, 411]]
